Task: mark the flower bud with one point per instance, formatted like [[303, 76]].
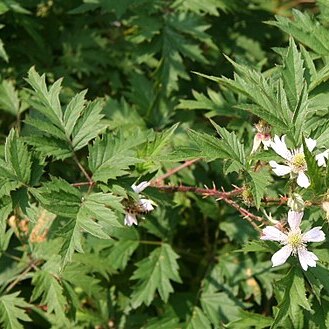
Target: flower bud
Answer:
[[296, 202], [325, 207], [247, 196]]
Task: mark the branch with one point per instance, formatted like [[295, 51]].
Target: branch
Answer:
[[203, 191], [170, 172]]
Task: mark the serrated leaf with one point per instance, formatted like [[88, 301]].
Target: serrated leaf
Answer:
[[18, 158], [155, 147], [293, 74], [9, 100], [96, 217], [89, 125], [305, 29], [154, 274], [225, 311], [111, 157], [260, 90], [259, 180], [59, 197], [73, 111], [313, 170], [121, 252], [49, 98], [205, 146], [12, 310], [231, 145], [198, 320], [295, 294], [55, 132], [51, 292], [250, 320]]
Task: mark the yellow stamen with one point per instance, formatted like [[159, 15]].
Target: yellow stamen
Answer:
[[298, 162]]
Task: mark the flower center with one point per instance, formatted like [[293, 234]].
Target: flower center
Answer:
[[295, 240], [298, 162]]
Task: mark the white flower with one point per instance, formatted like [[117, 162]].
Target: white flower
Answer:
[[263, 136], [142, 206], [294, 241], [295, 160], [259, 139], [321, 158]]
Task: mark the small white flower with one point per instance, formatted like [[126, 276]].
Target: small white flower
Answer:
[[321, 158], [142, 206], [259, 139], [130, 219], [294, 241], [263, 136], [295, 160]]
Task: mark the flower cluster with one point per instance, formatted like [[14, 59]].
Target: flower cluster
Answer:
[[294, 241], [142, 206]]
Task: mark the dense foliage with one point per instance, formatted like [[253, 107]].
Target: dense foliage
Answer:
[[150, 150]]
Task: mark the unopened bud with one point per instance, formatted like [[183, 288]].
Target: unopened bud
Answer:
[[325, 206], [247, 196], [296, 202]]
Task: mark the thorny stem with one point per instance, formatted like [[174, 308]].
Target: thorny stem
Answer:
[[203, 191], [160, 179]]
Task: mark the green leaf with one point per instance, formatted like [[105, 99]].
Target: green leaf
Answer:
[[198, 320], [292, 75], [18, 158], [49, 99], [250, 320], [313, 170], [225, 311], [95, 217], [260, 90], [299, 116], [9, 100], [73, 111], [48, 287], [294, 295], [154, 274], [231, 145], [258, 180], [110, 158], [205, 146], [57, 133], [89, 125], [59, 197], [3, 53], [121, 252], [306, 30], [11, 310]]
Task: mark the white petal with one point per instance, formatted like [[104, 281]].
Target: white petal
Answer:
[[310, 143], [256, 144], [267, 144], [302, 180], [140, 187], [279, 170], [130, 219], [306, 258], [281, 256], [321, 158], [273, 234], [314, 235], [146, 204], [280, 147], [294, 219]]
